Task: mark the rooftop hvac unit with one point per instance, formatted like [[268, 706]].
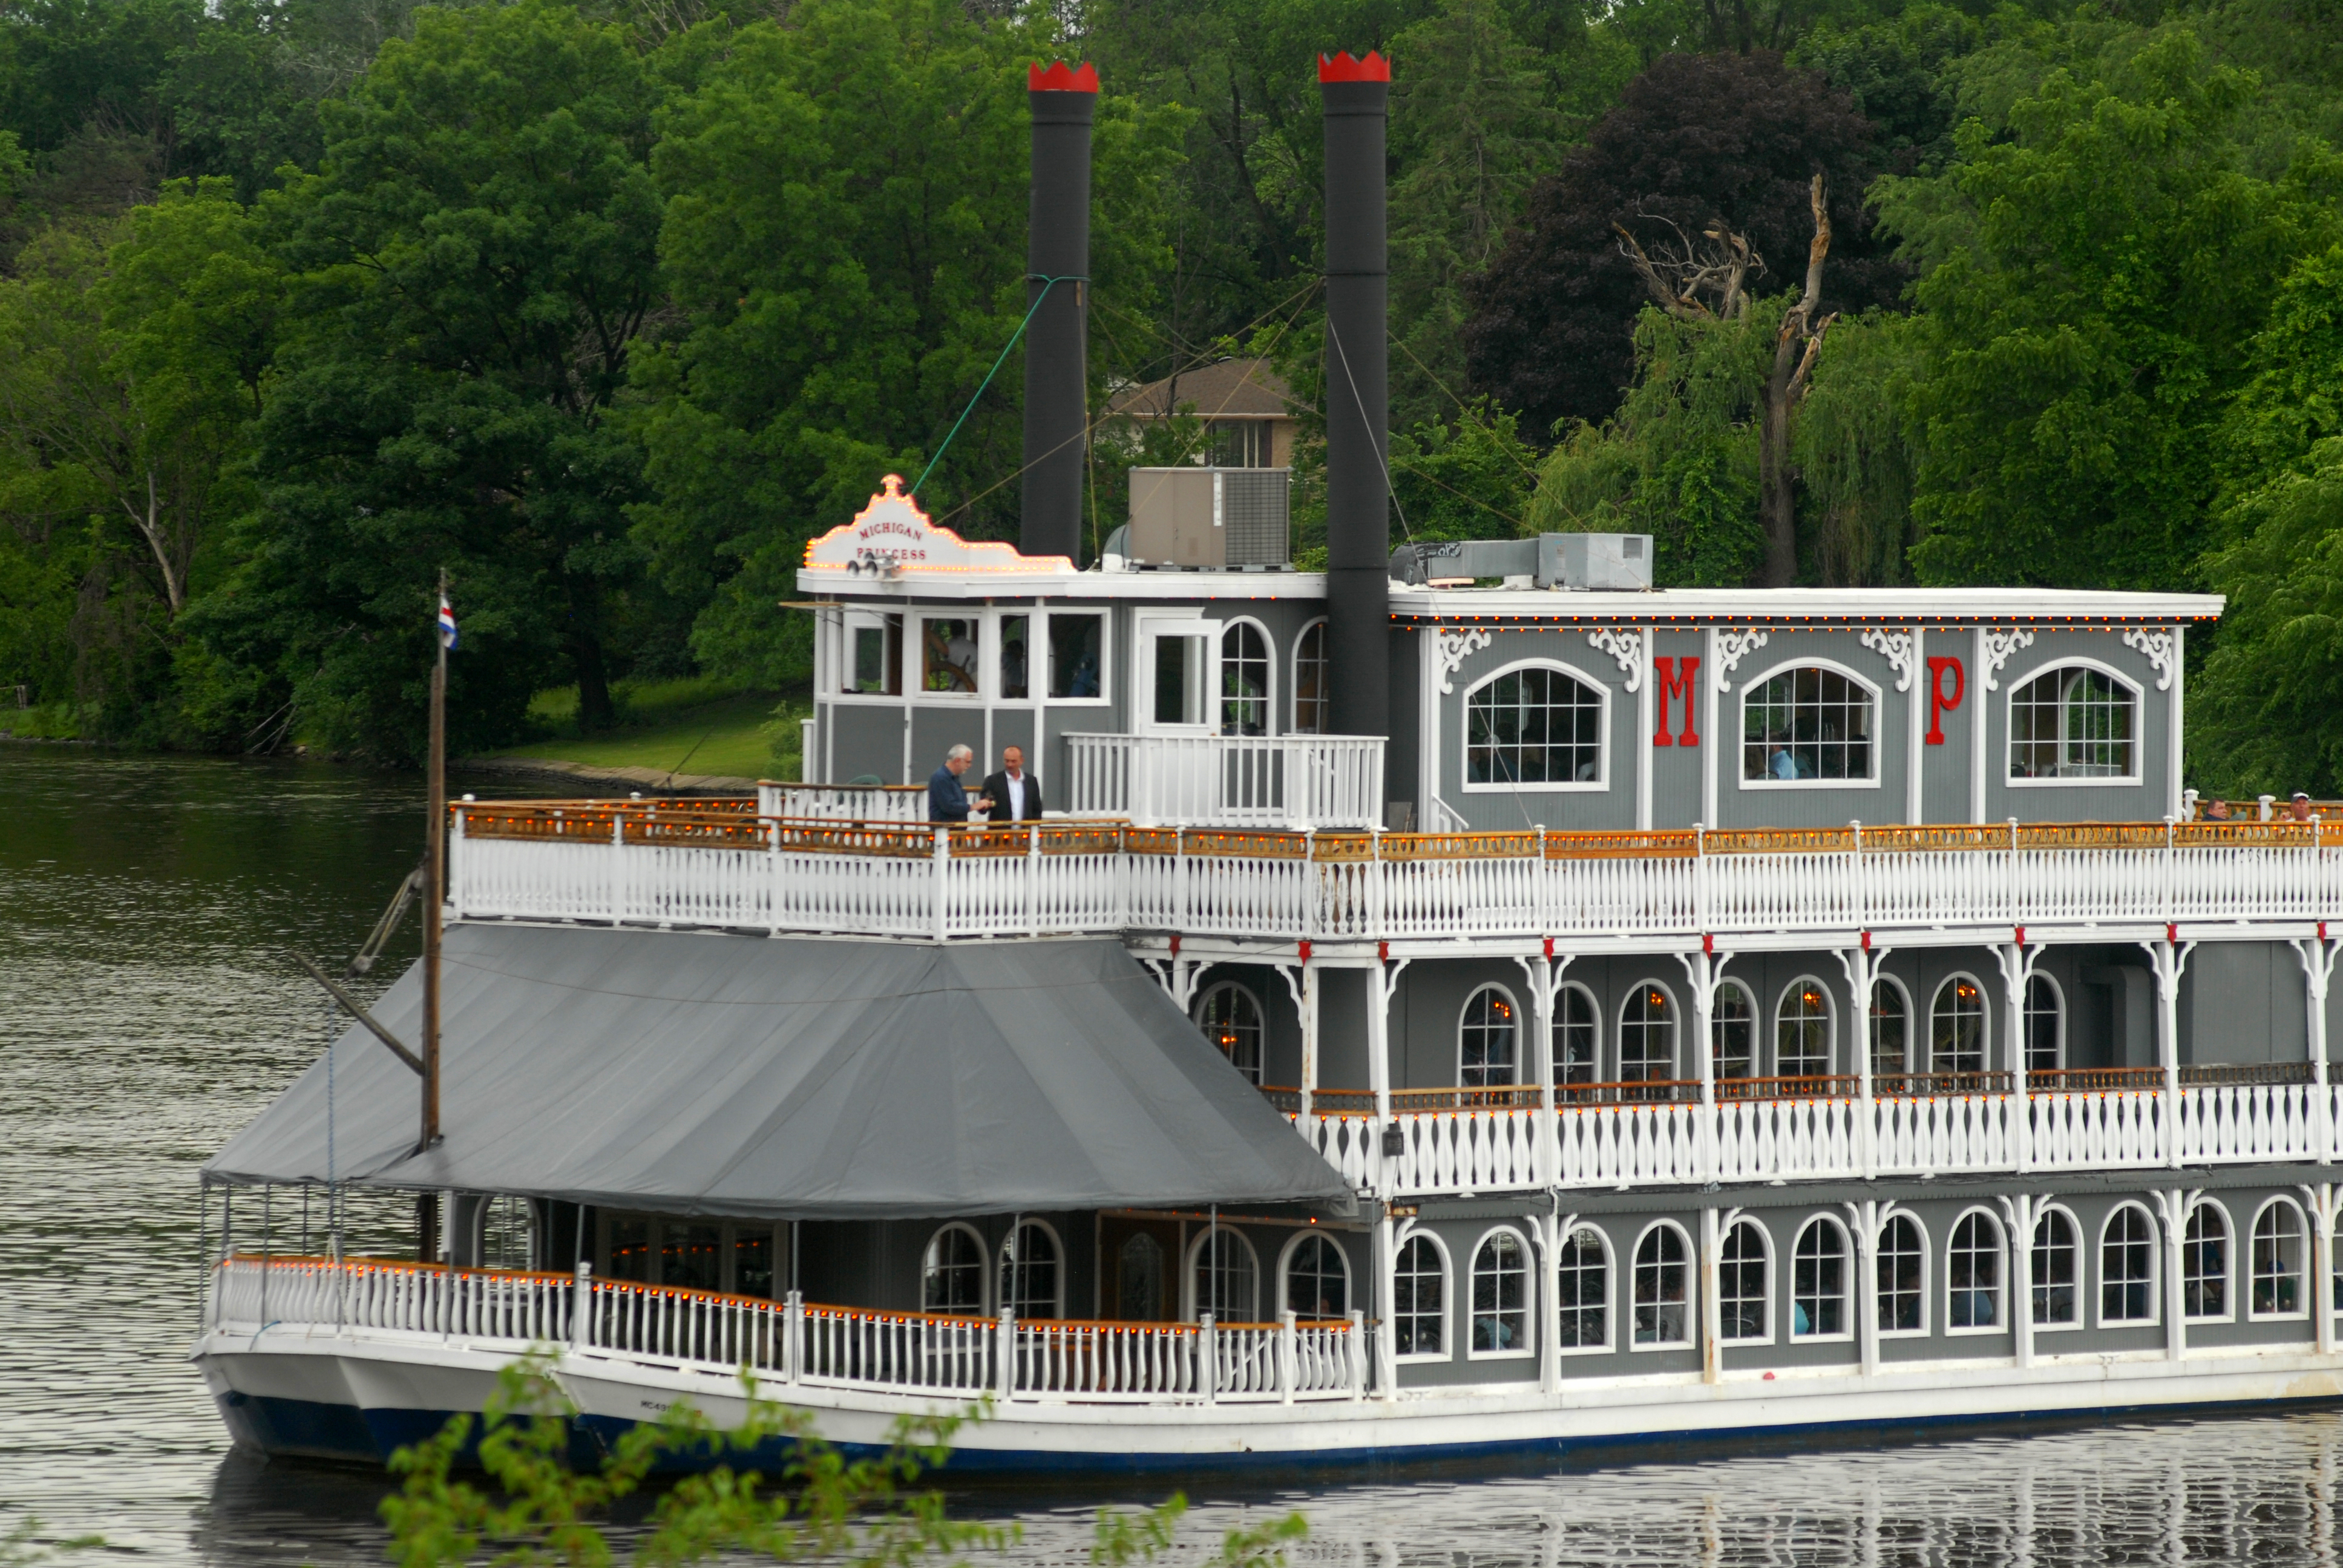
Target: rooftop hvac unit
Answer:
[[1210, 517]]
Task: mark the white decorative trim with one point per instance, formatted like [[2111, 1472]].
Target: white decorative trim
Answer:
[[2162, 651], [1895, 648], [1455, 648], [1624, 644], [1732, 648], [1998, 646]]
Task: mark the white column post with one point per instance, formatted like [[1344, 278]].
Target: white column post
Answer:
[[1712, 1344], [2169, 957], [2173, 1203], [793, 1319], [1862, 1219], [2016, 975], [1543, 975], [581, 1307], [1980, 685], [2319, 1202], [1553, 1228], [618, 864], [1646, 719], [1386, 1264], [1715, 753], [2317, 957], [1286, 1334], [1005, 1372], [2173, 718], [1915, 725], [940, 870], [1701, 971], [2022, 1214]]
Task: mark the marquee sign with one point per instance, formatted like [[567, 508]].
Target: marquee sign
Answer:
[[891, 535]]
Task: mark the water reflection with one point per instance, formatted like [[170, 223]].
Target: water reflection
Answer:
[[146, 1013]]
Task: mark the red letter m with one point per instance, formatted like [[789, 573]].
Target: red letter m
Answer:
[[1673, 681]]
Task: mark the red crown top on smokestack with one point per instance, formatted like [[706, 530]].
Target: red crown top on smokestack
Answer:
[[1061, 77], [1343, 68]]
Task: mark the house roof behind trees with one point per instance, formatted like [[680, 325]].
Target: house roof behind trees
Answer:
[[1229, 389]]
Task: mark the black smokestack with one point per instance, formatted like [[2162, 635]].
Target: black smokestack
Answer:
[[1057, 248], [1357, 94]]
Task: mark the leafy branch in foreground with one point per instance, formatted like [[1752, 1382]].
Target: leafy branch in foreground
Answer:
[[536, 1510]]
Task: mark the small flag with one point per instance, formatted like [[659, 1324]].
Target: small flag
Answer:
[[447, 624]]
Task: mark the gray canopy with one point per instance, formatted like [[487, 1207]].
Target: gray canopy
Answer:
[[805, 1079]]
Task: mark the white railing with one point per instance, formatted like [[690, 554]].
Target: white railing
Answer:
[[668, 865], [1228, 781], [790, 1343], [1791, 1138], [843, 802]]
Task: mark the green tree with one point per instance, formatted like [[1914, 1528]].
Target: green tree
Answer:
[[477, 255], [845, 242], [2098, 279]]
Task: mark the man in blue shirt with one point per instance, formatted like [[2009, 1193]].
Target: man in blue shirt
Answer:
[[947, 801]]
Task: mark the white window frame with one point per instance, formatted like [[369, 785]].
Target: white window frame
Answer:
[[1520, 1033], [1765, 1244], [1676, 1031], [1851, 1257], [2229, 1263], [2156, 1262], [1593, 1010], [1293, 1245], [1528, 1349], [987, 1281], [1692, 1303], [1294, 680], [1190, 1306], [1984, 1023], [2105, 781], [2001, 1323], [854, 618], [1830, 1025], [1757, 1041], [1147, 632], [1610, 1289], [1000, 1262], [1447, 1352], [1927, 1276], [1038, 683], [1204, 998], [1886, 981], [1269, 712], [2026, 1019], [2082, 1271], [988, 632], [1755, 683], [1599, 784], [2306, 1257]]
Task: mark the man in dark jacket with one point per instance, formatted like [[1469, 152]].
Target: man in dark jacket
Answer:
[[947, 801], [1015, 794]]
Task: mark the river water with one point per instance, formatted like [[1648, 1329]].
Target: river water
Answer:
[[147, 1011]]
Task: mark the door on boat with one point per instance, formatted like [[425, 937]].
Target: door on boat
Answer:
[[1138, 1275]]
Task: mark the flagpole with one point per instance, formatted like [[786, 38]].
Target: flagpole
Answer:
[[434, 888]]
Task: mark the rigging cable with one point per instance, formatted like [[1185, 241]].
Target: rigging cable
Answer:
[[1047, 284]]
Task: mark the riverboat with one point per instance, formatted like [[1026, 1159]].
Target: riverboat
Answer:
[[1463, 999]]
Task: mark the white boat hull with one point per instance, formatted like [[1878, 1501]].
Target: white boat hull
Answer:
[[357, 1397]]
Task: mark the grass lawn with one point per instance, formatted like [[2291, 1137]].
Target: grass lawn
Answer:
[[695, 726]]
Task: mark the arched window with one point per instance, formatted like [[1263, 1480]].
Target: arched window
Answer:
[[952, 1275], [1647, 1035], [1956, 1041], [1533, 725], [1317, 1278], [2046, 1024], [1806, 725], [1225, 1275], [1244, 680], [1818, 1282], [1029, 1272], [2057, 1269], [1138, 1279], [1732, 1031], [1420, 1300], [1802, 1031], [1891, 1025], [1500, 1296], [1486, 1039], [1740, 1284], [2276, 1290], [1973, 1274], [1231, 1020], [2128, 1266], [1903, 1267], [1661, 1281], [2073, 723], [1583, 1287], [1312, 698], [2205, 1264], [508, 1232], [1577, 1036]]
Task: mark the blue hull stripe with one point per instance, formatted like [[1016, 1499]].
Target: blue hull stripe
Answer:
[[305, 1429]]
